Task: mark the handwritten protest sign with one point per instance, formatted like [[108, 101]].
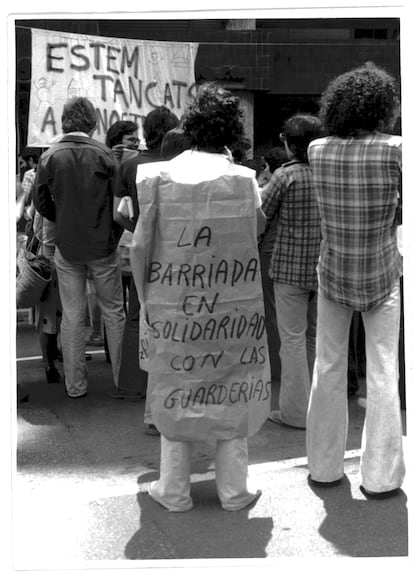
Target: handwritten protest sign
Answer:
[[124, 79], [209, 371]]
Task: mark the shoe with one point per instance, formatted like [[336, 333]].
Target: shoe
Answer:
[[52, 375], [151, 430], [128, 397], [95, 340], [380, 495], [318, 484], [252, 500], [276, 419], [158, 500], [76, 397]]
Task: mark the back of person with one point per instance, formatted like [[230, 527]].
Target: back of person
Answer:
[[358, 250], [297, 232], [82, 172]]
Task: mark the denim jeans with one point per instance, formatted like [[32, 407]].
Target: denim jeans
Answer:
[[296, 320], [132, 380], [106, 275], [382, 462]]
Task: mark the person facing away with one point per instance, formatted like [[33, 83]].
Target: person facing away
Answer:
[[212, 190], [74, 188], [122, 138], [132, 382], [289, 200], [274, 159], [357, 174]]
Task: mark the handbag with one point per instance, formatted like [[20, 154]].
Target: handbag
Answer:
[[34, 275]]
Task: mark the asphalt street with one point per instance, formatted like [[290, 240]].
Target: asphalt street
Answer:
[[79, 491]]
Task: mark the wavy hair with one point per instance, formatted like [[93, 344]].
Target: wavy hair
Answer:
[[118, 130], [78, 115], [213, 120], [365, 98]]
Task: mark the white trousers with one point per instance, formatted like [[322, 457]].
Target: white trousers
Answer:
[[296, 320], [172, 490], [382, 461]]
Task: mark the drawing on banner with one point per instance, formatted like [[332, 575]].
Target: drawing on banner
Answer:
[[124, 78]]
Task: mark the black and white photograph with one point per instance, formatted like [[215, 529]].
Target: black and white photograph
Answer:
[[208, 353]]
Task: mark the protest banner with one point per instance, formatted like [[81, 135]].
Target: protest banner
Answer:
[[209, 374], [124, 79]]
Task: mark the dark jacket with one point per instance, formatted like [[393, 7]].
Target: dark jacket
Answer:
[[74, 188], [125, 184]]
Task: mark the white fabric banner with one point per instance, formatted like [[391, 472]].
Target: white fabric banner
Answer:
[[124, 79]]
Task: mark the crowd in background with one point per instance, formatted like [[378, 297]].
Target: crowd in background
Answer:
[[327, 205]]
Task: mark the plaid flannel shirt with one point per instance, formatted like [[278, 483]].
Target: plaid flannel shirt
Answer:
[[358, 182], [289, 197]]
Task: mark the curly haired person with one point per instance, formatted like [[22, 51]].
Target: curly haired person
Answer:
[[216, 202], [357, 174]]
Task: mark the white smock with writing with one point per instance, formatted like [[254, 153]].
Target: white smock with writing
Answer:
[[209, 374]]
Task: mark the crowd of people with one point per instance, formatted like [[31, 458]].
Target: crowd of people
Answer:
[[320, 219]]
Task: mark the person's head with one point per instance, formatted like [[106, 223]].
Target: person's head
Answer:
[[363, 99], [156, 124], [275, 157], [123, 132], [298, 131], [29, 158], [213, 120], [174, 142], [78, 115]]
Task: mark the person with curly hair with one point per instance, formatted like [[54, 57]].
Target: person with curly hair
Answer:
[[357, 175], [204, 195]]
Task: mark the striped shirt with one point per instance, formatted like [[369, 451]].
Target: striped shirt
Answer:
[[358, 182], [289, 197]]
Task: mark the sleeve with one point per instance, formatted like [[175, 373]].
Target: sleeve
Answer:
[[125, 179], [272, 194], [256, 192], [42, 195]]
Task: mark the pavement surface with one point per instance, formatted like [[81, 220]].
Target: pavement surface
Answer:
[[79, 491]]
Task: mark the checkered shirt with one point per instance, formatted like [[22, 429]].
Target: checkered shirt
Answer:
[[289, 196], [357, 183]]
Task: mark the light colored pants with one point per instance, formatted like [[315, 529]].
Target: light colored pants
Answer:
[[296, 311], [172, 490], [382, 462], [106, 276]]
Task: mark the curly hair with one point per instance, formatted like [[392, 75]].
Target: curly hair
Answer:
[[156, 124], [118, 130], [299, 130], [78, 115], [213, 120], [365, 98]]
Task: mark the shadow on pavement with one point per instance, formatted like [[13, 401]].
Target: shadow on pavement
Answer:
[[363, 528], [206, 531]]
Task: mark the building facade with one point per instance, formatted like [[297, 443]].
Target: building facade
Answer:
[[277, 67]]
